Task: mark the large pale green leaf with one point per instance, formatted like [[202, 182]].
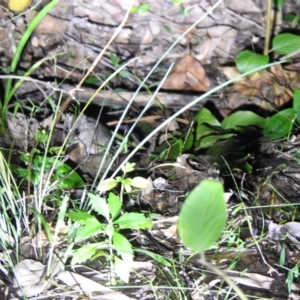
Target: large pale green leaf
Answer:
[[140, 182], [205, 116], [286, 43], [240, 119], [247, 61], [203, 216]]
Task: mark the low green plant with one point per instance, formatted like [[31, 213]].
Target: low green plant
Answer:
[[283, 44], [106, 221], [64, 177], [126, 183], [282, 123]]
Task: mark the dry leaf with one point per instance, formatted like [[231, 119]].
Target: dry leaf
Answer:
[[187, 73], [88, 286], [266, 89]]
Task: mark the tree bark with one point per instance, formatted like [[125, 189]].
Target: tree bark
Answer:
[[74, 32]]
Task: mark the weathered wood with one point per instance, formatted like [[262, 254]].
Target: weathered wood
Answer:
[[74, 32]]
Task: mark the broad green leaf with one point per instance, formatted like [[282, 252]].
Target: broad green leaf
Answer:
[[122, 245], [107, 185], [175, 149], [90, 228], [133, 221], [240, 119], [114, 204], [203, 216], [205, 116], [286, 43], [80, 216], [85, 252], [204, 130], [68, 178], [188, 141], [280, 124], [210, 140], [247, 61], [140, 182], [100, 205]]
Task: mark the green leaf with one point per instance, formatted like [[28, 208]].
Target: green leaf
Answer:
[[122, 245], [188, 141], [100, 205], [133, 221], [247, 61], [92, 80], [296, 104], [107, 185], [114, 204], [41, 136], [203, 216], [286, 43], [291, 18], [85, 252], [205, 116], [205, 130], [167, 28], [280, 124], [289, 280], [68, 178], [79, 216], [140, 182], [210, 140], [90, 228], [175, 149], [240, 119], [143, 8], [278, 4], [128, 167]]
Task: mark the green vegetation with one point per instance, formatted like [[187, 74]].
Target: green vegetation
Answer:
[[97, 225]]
